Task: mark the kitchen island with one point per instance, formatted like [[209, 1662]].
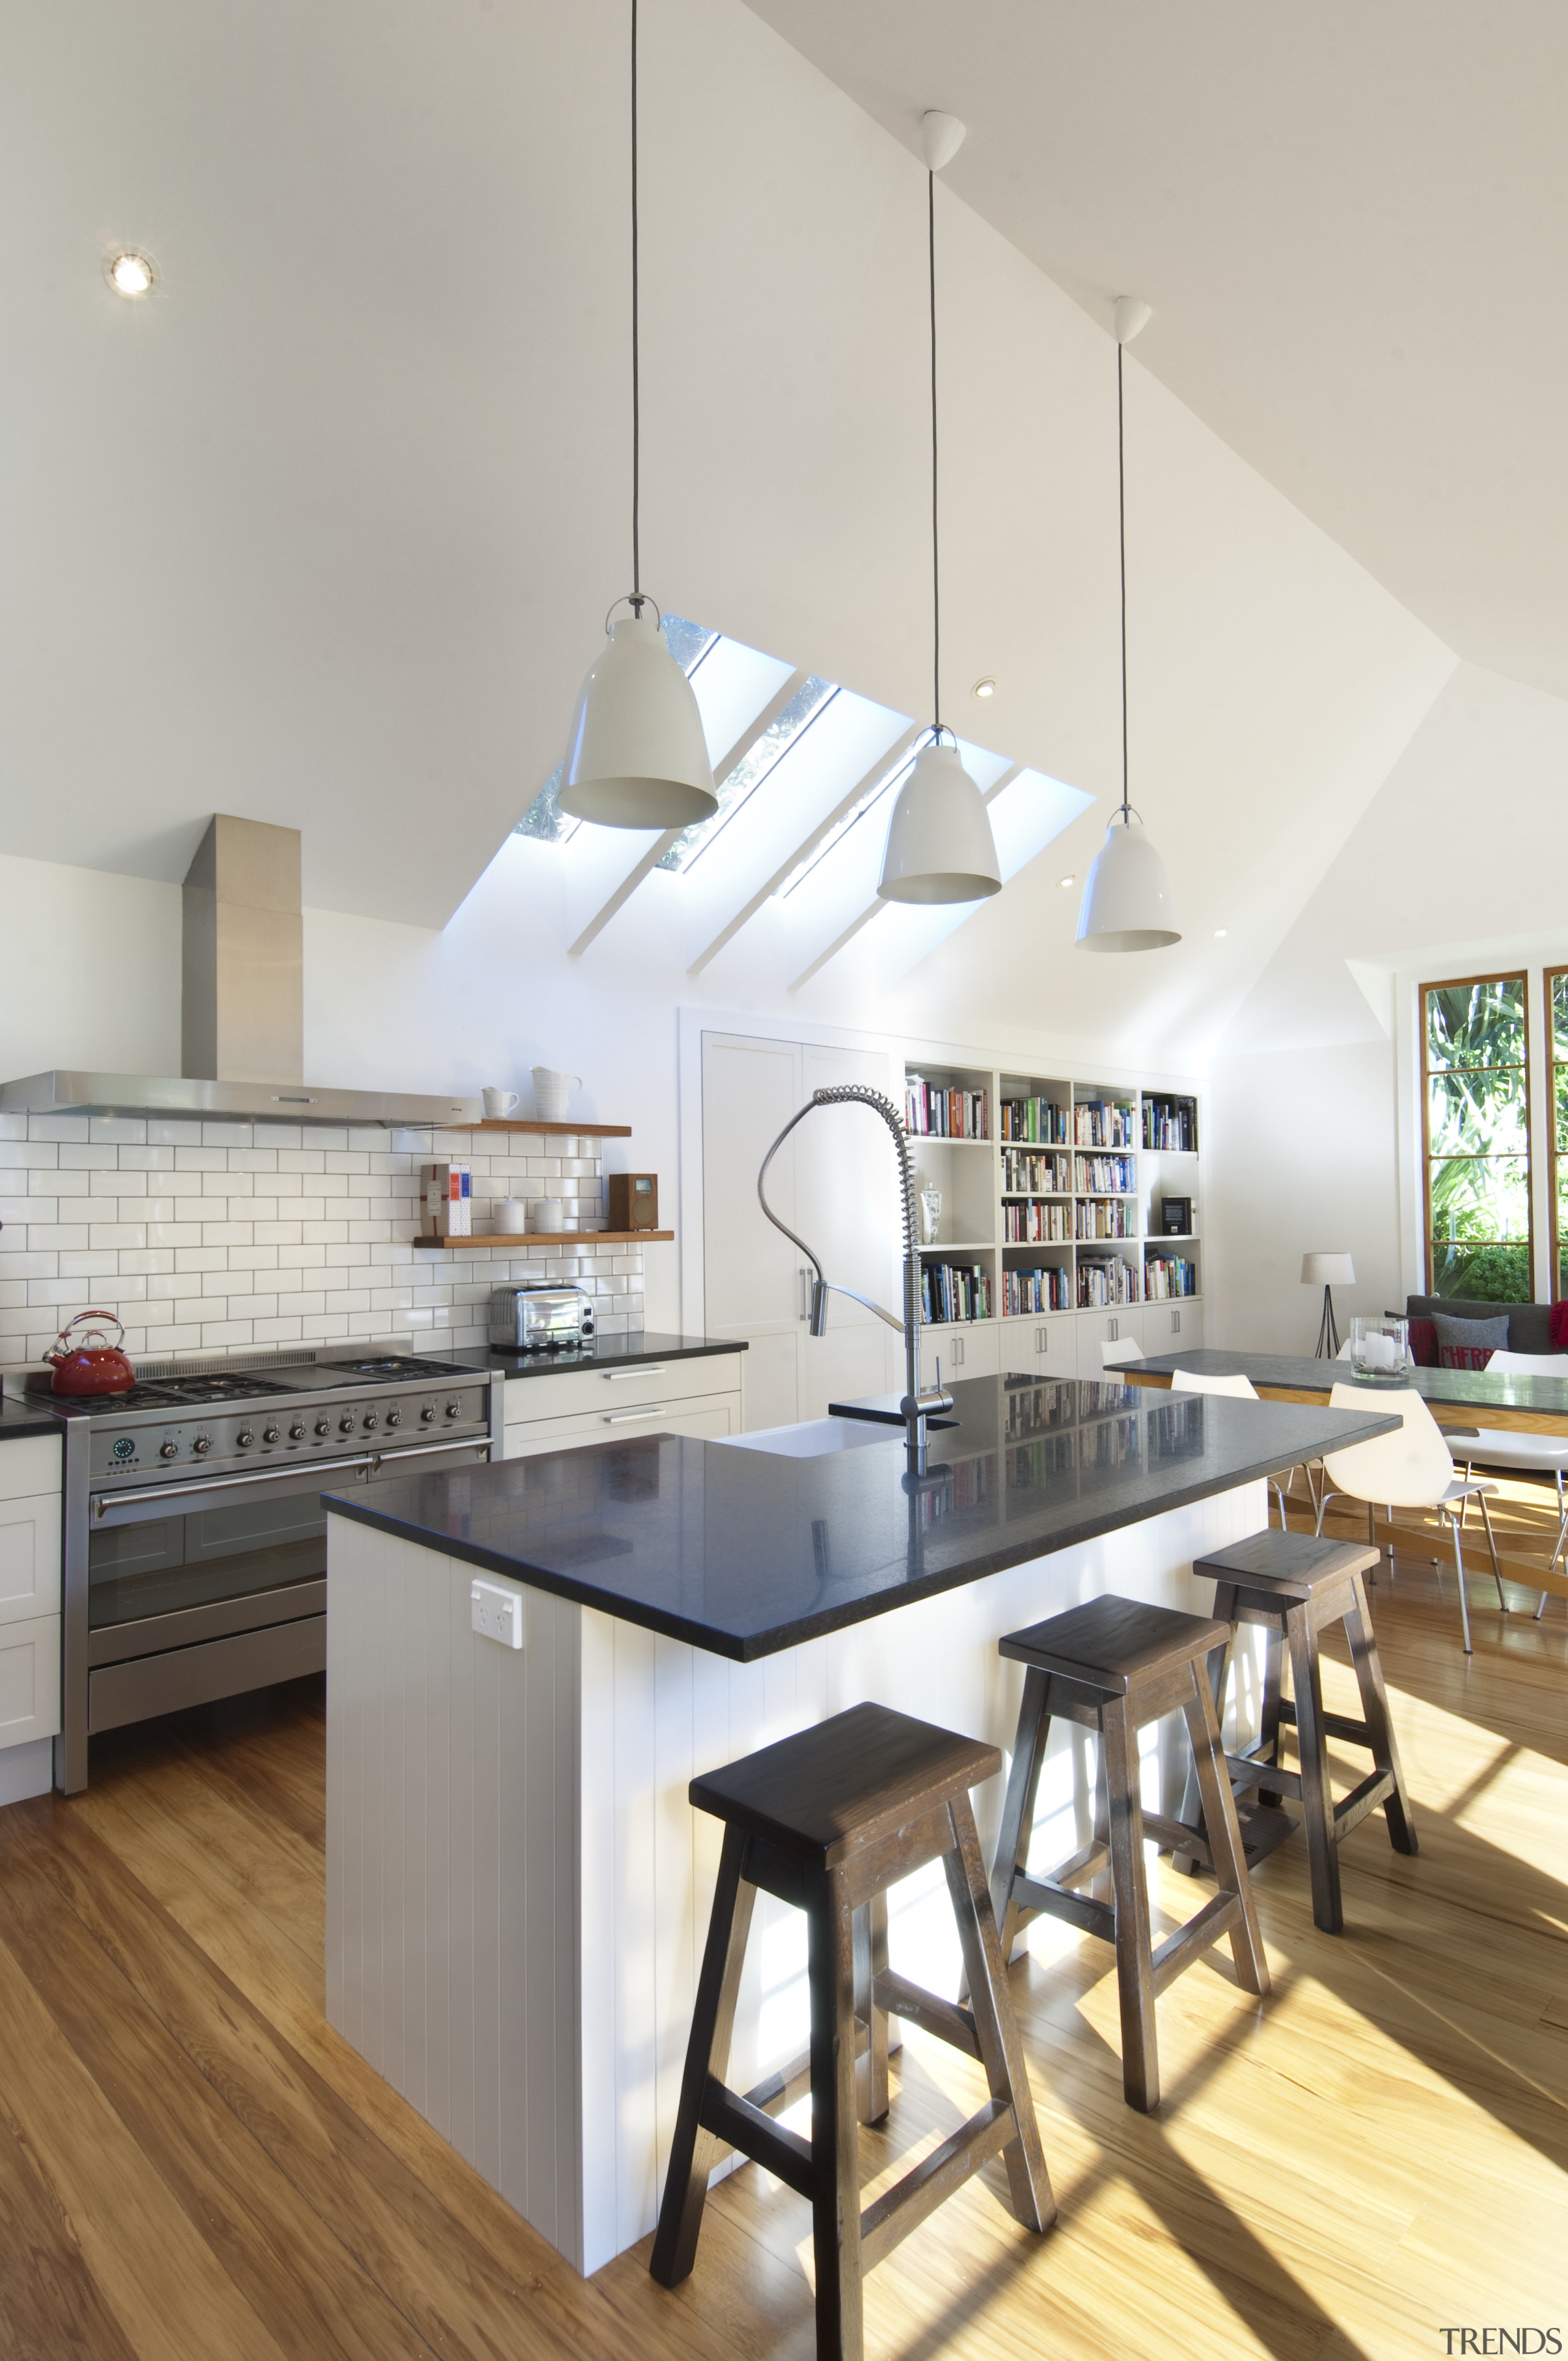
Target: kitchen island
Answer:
[[518, 1888]]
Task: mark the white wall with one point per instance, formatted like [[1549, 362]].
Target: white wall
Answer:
[[1304, 1157]]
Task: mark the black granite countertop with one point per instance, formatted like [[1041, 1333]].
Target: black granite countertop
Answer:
[[27, 1418], [604, 1353], [1454, 1388], [744, 1552]]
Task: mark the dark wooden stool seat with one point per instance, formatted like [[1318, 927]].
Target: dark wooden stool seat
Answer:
[[828, 1821], [1114, 1665], [1295, 1585]]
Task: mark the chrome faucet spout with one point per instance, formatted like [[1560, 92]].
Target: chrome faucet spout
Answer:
[[917, 1405]]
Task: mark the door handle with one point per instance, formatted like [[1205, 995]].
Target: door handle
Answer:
[[618, 1376], [624, 1417]]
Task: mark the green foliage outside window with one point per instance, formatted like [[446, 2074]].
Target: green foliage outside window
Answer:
[[1473, 1043]]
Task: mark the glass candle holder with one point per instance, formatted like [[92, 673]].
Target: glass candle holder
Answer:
[[1379, 1348]]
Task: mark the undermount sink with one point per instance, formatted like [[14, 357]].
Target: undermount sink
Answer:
[[813, 1438]]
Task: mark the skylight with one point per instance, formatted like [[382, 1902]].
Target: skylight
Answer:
[[798, 762]]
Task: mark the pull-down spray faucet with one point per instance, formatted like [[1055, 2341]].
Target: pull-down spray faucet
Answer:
[[917, 1406]]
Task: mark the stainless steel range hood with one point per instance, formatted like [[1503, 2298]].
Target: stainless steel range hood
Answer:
[[242, 1009]]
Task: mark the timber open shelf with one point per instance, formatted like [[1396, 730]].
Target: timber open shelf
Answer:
[[546, 1238], [550, 1130]]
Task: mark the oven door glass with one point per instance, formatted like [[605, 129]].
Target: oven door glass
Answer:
[[204, 1556]]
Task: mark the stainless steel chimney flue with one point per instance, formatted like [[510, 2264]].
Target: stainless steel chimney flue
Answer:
[[242, 973]]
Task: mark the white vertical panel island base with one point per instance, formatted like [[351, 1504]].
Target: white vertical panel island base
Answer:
[[517, 1886]]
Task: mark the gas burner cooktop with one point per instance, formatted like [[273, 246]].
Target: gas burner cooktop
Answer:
[[171, 1393], [400, 1365]]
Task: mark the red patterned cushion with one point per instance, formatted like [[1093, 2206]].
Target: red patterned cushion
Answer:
[[1557, 1326], [1463, 1356], [1422, 1334]]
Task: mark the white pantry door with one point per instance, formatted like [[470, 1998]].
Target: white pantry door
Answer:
[[835, 1181]]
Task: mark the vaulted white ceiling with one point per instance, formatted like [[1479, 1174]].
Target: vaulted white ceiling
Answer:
[[323, 532], [1352, 222]]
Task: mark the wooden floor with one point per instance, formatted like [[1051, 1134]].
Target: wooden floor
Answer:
[[193, 2168]]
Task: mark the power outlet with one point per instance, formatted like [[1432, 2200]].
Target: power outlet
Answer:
[[494, 1609]]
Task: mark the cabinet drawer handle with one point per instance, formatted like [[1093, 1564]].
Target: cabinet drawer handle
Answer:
[[617, 1377], [621, 1417]]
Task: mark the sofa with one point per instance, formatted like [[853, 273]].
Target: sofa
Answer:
[[1528, 1323]]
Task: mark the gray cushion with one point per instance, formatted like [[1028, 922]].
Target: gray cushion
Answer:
[[1529, 1330], [1474, 1335]]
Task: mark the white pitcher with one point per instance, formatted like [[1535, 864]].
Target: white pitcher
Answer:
[[550, 1091]]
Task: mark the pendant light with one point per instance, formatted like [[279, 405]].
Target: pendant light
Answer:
[[636, 756], [1126, 901], [939, 845]]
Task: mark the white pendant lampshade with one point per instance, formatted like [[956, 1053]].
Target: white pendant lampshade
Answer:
[[939, 845], [1126, 901], [636, 756]]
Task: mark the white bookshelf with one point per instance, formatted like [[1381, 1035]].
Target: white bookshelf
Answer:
[[1064, 1222]]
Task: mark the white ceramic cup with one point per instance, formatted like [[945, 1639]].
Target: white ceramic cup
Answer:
[[549, 1213], [550, 1091], [512, 1216], [497, 1102]]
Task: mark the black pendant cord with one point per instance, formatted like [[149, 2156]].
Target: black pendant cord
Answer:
[[935, 569], [636, 384], [1121, 513]]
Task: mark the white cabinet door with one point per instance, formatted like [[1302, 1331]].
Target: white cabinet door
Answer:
[[1041, 1346], [1173, 1326], [835, 1183], [29, 1558], [29, 1679], [703, 1415], [973, 1348], [1121, 1326]]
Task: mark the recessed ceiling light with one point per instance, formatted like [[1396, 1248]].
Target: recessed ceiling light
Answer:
[[1219, 933], [129, 273], [985, 688], [1067, 879]]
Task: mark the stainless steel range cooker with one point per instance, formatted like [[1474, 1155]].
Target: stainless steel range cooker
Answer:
[[195, 1545]]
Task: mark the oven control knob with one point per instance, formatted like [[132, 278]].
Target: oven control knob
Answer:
[[169, 1449], [346, 1424], [453, 1409], [370, 1420], [324, 1426], [296, 1432], [268, 1434], [244, 1438], [394, 1418], [202, 1445], [427, 1413]]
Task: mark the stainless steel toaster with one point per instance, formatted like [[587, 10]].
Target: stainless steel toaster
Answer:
[[540, 1319]]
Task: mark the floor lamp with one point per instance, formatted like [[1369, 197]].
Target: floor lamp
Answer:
[[1327, 1272]]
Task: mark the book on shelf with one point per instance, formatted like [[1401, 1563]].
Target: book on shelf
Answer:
[[932, 1113], [1104, 1218], [1035, 1176], [1036, 1221], [1171, 1124], [954, 1290], [1045, 1289], [1106, 1280], [1105, 1175], [1038, 1119], [1102, 1122], [1166, 1276]]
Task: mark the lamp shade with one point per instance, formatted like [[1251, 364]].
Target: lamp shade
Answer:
[[1327, 1270], [939, 845], [637, 757], [1126, 900]]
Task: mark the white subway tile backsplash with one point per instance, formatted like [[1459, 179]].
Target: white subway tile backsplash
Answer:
[[215, 1236]]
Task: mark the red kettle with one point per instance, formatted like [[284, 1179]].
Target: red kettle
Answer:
[[92, 1366]]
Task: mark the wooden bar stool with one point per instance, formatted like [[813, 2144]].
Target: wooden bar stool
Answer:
[[1114, 1666], [1294, 1584], [828, 1821]]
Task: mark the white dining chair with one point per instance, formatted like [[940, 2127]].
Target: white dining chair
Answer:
[[1514, 1454], [1193, 1381], [1118, 1356], [1412, 1468]]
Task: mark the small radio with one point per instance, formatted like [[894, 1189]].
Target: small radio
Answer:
[[633, 1200]]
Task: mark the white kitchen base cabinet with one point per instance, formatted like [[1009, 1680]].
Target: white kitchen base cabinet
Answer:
[[700, 1396], [30, 1474]]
